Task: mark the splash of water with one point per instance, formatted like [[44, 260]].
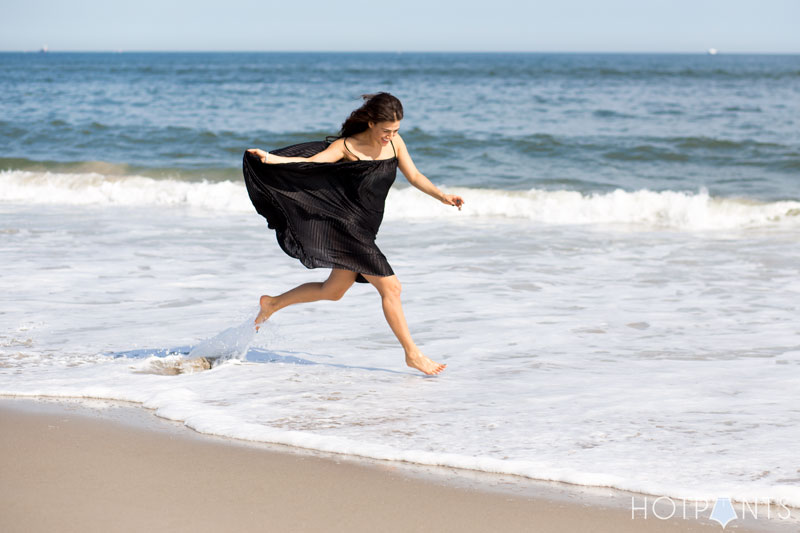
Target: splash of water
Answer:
[[231, 343]]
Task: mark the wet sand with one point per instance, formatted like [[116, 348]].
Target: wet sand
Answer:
[[66, 468]]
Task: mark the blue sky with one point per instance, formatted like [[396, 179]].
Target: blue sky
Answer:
[[764, 26]]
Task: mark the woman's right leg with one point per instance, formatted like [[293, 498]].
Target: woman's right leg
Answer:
[[332, 288], [389, 289]]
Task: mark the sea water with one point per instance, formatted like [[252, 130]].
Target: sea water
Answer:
[[616, 302]]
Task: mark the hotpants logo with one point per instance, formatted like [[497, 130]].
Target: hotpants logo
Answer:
[[722, 512]]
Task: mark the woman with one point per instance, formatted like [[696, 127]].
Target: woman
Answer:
[[325, 202]]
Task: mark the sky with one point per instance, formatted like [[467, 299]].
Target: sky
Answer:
[[731, 26]]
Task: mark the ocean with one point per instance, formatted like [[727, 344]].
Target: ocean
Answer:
[[617, 303]]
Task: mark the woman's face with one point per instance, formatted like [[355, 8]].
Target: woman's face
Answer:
[[383, 132]]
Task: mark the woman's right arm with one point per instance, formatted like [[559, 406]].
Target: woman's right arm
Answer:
[[331, 154]]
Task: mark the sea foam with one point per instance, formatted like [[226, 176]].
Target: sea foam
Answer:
[[99, 189], [690, 211], [661, 362]]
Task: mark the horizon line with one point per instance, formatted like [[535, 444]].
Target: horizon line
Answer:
[[46, 50]]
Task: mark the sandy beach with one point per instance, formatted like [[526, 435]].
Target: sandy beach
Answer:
[[68, 468]]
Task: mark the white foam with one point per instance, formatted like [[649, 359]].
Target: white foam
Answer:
[[654, 361], [98, 189], [667, 209]]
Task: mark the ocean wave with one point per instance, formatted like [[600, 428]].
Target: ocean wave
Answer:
[[93, 188], [697, 149], [666, 209], [691, 211], [710, 143]]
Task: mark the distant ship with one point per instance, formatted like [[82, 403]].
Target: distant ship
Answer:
[[712, 51], [43, 49]]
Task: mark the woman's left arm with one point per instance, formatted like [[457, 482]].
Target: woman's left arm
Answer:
[[418, 179]]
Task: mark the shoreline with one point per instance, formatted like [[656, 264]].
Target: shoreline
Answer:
[[71, 465]]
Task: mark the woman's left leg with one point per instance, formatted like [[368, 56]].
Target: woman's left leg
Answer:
[[333, 288], [389, 289]]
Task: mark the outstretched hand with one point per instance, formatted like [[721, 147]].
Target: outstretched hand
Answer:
[[453, 199]]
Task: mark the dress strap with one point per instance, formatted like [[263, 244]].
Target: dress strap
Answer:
[[349, 150], [393, 150]]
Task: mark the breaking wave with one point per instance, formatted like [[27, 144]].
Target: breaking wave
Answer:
[[691, 211]]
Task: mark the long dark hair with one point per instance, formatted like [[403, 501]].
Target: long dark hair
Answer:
[[380, 107]]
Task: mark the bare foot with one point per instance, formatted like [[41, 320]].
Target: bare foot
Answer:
[[267, 308], [421, 362]]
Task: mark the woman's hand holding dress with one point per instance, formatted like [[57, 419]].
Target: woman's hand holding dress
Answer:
[[260, 153]]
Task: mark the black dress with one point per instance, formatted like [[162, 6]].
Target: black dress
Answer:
[[324, 214]]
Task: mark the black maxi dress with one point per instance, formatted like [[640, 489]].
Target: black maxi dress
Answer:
[[324, 214]]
